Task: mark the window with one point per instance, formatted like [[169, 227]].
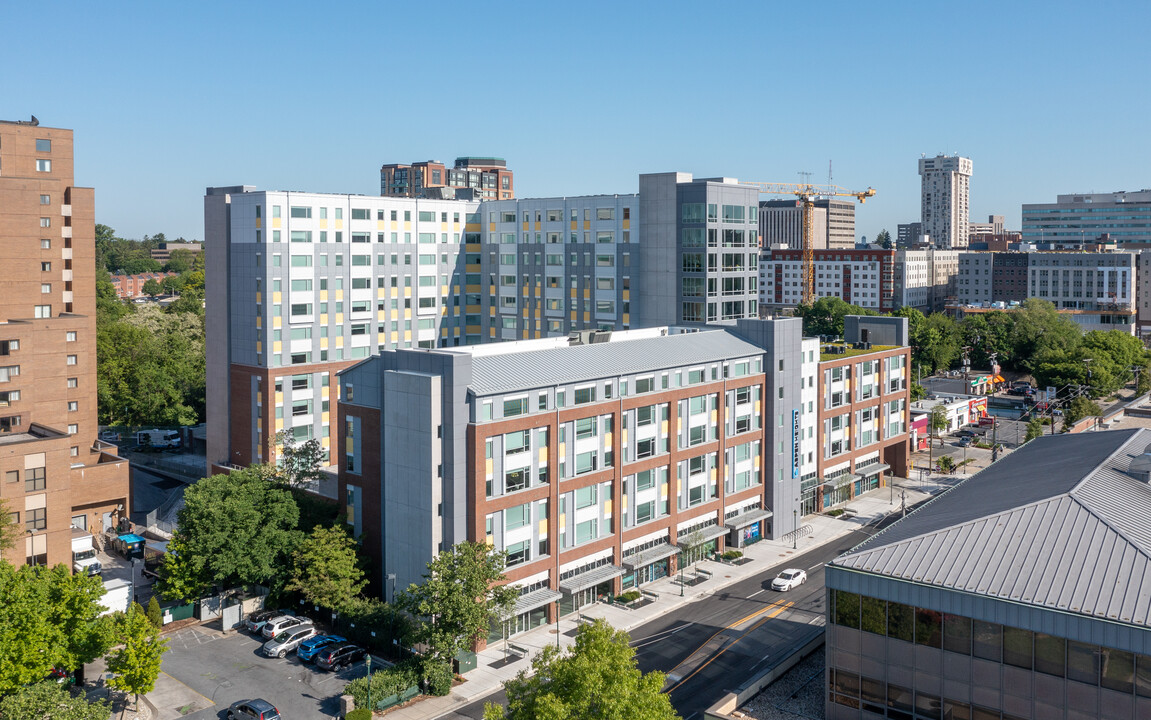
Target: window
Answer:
[[360, 214], [43, 145], [34, 479], [46, 244], [36, 519], [584, 395], [301, 212], [517, 406], [517, 517], [45, 199], [7, 372], [586, 462], [70, 336], [73, 406], [73, 382], [71, 360], [12, 476], [585, 497], [45, 222], [45, 288], [585, 428], [43, 166]]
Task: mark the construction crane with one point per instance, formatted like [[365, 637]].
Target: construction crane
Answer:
[[808, 194]]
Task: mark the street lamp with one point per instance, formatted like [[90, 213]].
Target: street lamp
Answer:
[[794, 529], [368, 662]]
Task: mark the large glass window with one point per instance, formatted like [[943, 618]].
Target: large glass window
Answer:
[[846, 609], [1050, 654], [988, 641], [1017, 648], [518, 516], [1118, 670], [585, 497], [585, 428], [900, 622], [691, 213], [1083, 662], [957, 634], [873, 615], [928, 627]]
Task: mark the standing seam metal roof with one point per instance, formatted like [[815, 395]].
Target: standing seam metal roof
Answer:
[[1057, 524], [502, 373]]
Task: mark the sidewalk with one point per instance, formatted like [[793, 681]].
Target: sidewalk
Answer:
[[491, 672]]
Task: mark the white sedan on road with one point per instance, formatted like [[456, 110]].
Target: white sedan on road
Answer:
[[789, 579]]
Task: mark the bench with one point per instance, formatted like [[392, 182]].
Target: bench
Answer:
[[517, 650]]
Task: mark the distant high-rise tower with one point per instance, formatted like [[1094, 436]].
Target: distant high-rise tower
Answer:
[[944, 199]]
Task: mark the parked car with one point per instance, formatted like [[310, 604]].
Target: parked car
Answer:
[[288, 640], [256, 621], [965, 433], [308, 649], [279, 623], [257, 709], [789, 579], [965, 441], [334, 657]]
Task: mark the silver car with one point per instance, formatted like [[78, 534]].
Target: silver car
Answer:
[[288, 640], [283, 622]]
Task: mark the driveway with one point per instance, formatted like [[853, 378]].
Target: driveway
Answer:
[[209, 671]]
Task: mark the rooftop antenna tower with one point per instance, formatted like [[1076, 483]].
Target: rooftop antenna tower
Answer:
[[829, 182], [805, 176]]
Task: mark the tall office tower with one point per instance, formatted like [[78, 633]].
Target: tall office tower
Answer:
[[946, 181], [994, 226], [781, 224], [699, 249], [1078, 219], [479, 178], [57, 474], [302, 285], [840, 222]]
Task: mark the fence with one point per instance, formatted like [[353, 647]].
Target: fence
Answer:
[[154, 518]]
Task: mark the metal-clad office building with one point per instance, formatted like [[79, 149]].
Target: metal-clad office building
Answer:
[[1023, 592]]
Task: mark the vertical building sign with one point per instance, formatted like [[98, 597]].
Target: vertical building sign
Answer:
[[794, 444]]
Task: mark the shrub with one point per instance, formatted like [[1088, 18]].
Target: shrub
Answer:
[[629, 596], [389, 681], [732, 555], [359, 714], [155, 614], [439, 677], [835, 513]]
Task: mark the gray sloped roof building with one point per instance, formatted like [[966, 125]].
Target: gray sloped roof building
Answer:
[[1023, 592]]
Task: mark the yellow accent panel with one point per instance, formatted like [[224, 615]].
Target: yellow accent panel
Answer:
[[663, 428], [472, 288], [543, 456], [491, 332], [326, 418], [543, 528], [472, 247], [491, 227], [380, 225], [490, 466], [323, 318], [276, 223], [587, 225], [538, 335], [472, 227], [444, 227], [714, 416], [678, 425], [339, 318], [757, 407], [259, 322], [339, 294], [339, 340], [623, 436], [525, 334], [407, 225], [276, 323], [443, 332], [381, 315], [326, 443], [538, 291], [525, 225], [395, 337], [471, 308], [279, 398], [490, 541], [607, 508], [407, 292], [563, 520], [537, 314], [323, 224], [408, 335], [323, 343], [259, 223], [623, 503], [259, 346], [277, 297], [259, 295], [627, 294], [537, 227], [339, 224], [563, 449], [394, 225], [279, 424], [713, 471], [472, 268], [627, 224], [756, 462], [408, 314], [587, 293], [323, 296], [472, 329], [663, 491], [277, 347], [607, 441], [395, 292], [627, 318], [587, 317]]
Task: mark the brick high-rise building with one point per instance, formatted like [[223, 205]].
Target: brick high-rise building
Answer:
[[485, 178], [56, 473]]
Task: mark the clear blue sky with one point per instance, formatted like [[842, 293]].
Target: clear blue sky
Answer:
[[169, 98]]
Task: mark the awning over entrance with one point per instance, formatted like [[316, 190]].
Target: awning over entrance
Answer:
[[830, 484], [871, 469], [591, 578], [998, 379], [536, 599], [711, 532], [647, 557], [741, 521]]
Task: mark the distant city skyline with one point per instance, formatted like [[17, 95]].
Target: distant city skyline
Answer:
[[168, 100]]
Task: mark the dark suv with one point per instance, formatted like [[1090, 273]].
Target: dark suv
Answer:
[[334, 657], [255, 622]]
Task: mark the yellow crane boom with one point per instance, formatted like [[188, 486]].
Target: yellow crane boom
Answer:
[[808, 194]]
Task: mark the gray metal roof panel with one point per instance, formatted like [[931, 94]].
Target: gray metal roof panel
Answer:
[[508, 372], [1082, 544]]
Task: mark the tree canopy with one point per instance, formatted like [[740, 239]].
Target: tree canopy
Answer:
[[48, 618], [326, 568], [598, 679], [457, 598], [49, 700], [233, 529], [135, 662], [825, 315]]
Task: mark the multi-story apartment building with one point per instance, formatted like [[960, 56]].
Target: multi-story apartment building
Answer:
[[860, 277], [1097, 290], [863, 412], [304, 284], [132, 286], [486, 178], [944, 208], [833, 224], [1143, 293], [1080, 219], [592, 461], [1017, 594], [57, 474], [925, 279], [995, 225]]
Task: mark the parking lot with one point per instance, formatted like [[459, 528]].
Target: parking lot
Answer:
[[208, 671]]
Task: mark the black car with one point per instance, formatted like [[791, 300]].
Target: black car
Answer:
[[334, 657], [256, 621]]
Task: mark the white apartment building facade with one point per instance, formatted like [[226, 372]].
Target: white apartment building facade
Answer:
[[944, 199]]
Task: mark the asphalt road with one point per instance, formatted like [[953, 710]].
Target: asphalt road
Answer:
[[710, 646]]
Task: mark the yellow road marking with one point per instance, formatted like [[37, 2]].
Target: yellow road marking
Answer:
[[778, 610]]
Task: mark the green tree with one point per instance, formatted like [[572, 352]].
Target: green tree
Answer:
[[946, 464], [10, 530], [302, 465], [825, 316], [233, 529], [152, 288], [938, 421], [918, 392], [1038, 330], [173, 284], [937, 346], [457, 599], [179, 261], [135, 662], [598, 679], [51, 701], [326, 568], [154, 613], [48, 618], [1079, 408], [883, 239], [109, 306], [1034, 430]]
